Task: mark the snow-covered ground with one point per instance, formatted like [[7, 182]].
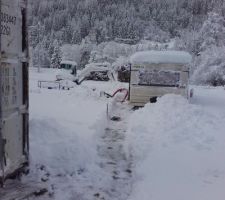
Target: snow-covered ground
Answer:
[[66, 130], [178, 147], [170, 150]]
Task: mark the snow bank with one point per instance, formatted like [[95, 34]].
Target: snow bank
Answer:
[[178, 151], [63, 128], [156, 57], [61, 149]]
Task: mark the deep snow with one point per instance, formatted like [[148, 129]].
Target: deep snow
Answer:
[[178, 147], [169, 150], [66, 127]]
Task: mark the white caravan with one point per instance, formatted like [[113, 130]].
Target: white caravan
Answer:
[[156, 73]]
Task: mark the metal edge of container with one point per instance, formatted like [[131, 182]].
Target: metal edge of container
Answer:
[[25, 71], [26, 84], [1, 141]]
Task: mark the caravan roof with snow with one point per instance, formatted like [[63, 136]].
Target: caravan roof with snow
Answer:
[[160, 57], [156, 73]]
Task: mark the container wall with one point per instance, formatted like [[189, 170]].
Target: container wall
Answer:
[[14, 87]]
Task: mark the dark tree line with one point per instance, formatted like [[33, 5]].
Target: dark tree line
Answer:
[[69, 21], [191, 22]]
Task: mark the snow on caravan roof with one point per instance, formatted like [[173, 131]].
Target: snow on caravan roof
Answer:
[[157, 57], [68, 62]]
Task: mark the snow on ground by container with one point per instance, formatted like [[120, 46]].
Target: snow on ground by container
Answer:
[[65, 127], [156, 57], [178, 148], [175, 149]]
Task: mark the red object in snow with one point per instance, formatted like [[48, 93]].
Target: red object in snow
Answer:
[[122, 90]]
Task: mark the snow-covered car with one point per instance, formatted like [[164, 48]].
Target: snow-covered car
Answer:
[[96, 71], [67, 71], [156, 73], [64, 74]]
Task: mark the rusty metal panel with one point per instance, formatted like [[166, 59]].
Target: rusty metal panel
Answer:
[[14, 88]]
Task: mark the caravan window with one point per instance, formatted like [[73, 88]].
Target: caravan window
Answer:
[[159, 78]]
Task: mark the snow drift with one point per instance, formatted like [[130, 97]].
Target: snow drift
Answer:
[[178, 150]]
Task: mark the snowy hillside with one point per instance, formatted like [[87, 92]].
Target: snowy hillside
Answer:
[[92, 27]]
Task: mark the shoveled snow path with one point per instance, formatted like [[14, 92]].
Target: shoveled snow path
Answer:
[[66, 130], [115, 162]]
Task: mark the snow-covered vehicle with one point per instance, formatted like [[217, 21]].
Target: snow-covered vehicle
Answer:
[[156, 73], [67, 71], [69, 65], [95, 71]]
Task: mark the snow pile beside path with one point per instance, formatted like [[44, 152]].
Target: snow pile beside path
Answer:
[[62, 150], [64, 128], [178, 151], [64, 124]]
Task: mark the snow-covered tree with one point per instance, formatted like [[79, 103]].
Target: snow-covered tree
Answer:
[[209, 65], [56, 56], [71, 52], [102, 23], [210, 68], [213, 31]]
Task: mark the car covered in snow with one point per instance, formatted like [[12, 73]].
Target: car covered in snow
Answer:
[[95, 71], [67, 71], [156, 73], [98, 71]]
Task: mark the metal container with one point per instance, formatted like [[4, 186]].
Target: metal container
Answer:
[[14, 145]]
